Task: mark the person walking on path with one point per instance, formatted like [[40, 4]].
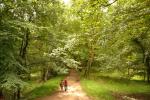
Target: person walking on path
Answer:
[[65, 85], [61, 85]]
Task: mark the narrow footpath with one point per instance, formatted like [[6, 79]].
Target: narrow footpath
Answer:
[[74, 92]]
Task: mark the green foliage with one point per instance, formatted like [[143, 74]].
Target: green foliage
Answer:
[[11, 83], [93, 35], [21, 22], [9, 63]]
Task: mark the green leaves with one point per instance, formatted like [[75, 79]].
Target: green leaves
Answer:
[[94, 34], [22, 22], [11, 82], [65, 54]]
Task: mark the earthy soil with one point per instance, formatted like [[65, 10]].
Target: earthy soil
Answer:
[[74, 91]]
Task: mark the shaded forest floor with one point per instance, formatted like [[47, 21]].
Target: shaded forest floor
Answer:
[[74, 92]]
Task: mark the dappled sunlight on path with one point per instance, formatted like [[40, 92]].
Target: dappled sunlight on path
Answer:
[[74, 91]]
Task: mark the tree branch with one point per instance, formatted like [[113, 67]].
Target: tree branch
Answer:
[[109, 4]]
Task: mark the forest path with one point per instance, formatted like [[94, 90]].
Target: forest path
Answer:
[[74, 91]]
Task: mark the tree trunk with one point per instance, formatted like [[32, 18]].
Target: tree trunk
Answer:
[[18, 93], [23, 52], [15, 96], [144, 75], [148, 68], [24, 45], [1, 95], [44, 74], [128, 71], [90, 61]]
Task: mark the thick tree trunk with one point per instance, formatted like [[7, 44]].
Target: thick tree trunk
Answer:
[[90, 61], [44, 74], [148, 68], [18, 93], [148, 75], [24, 45]]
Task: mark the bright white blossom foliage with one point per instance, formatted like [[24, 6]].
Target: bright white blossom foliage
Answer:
[[61, 53]]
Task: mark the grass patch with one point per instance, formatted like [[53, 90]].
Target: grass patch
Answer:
[[104, 87], [35, 89], [95, 90]]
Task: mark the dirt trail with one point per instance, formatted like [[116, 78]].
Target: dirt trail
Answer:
[[74, 92]]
